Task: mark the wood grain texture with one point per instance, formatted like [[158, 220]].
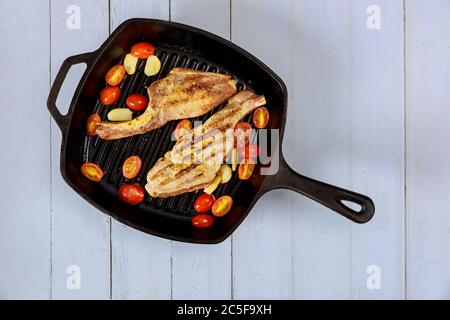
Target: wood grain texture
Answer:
[[202, 272], [80, 233], [262, 252], [351, 97], [428, 155], [376, 163], [141, 264], [320, 37], [213, 16], [346, 125], [25, 183], [122, 10]]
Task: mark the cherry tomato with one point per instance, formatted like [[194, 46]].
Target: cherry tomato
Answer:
[[246, 168], [142, 50], [131, 167], [92, 171], [131, 193], [222, 206], [204, 203], [115, 75], [110, 95], [137, 102], [250, 151], [202, 221], [243, 133], [182, 127], [92, 122], [261, 117]]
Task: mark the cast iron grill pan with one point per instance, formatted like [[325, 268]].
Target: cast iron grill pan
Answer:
[[110, 155], [176, 45]]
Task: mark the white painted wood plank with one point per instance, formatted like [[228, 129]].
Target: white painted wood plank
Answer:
[[320, 110], [80, 233], [141, 264], [428, 155], [213, 16], [376, 160], [262, 261], [350, 124], [25, 187], [122, 10], [202, 272]]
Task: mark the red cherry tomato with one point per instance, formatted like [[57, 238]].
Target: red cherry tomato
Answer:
[[222, 206], [250, 151], [131, 167], [115, 75], [204, 203], [137, 102], [131, 193], [110, 95], [245, 169], [142, 50], [202, 221], [182, 127], [261, 117], [92, 171], [243, 134], [92, 122]]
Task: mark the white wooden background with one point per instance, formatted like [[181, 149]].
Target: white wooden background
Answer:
[[368, 110]]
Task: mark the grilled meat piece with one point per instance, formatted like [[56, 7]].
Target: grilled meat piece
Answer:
[[196, 158], [184, 93]]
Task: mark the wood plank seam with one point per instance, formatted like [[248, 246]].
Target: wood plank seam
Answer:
[[349, 147], [405, 162], [51, 150]]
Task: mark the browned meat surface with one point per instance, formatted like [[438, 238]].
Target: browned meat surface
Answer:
[[184, 93], [196, 158]]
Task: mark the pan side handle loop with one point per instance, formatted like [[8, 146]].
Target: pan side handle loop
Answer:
[[62, 120], [335, 198]]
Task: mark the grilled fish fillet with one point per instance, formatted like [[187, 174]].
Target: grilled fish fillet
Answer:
[[184, 93], [196, 158]]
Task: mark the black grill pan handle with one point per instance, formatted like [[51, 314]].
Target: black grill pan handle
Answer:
[[63, 120], [328, 195]]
